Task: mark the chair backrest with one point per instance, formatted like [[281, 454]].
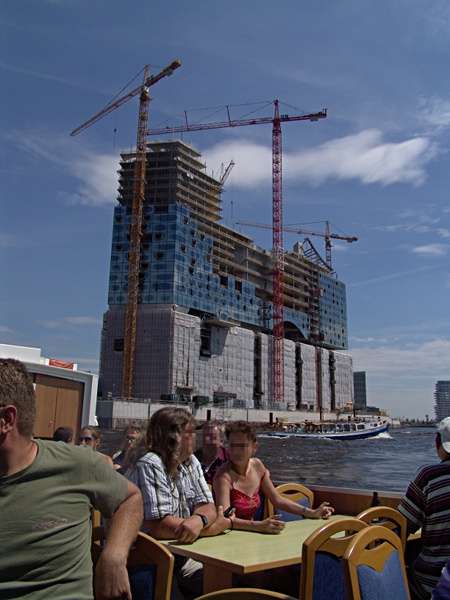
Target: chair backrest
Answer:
[[321, 576], [373, 566], [295, 492], [261, 513], [244, 594], [150, 566], [387, 517]]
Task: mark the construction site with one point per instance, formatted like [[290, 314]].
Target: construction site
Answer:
[[205, 301], [198, 314]]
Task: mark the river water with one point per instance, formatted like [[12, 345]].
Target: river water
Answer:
[[386, 462]]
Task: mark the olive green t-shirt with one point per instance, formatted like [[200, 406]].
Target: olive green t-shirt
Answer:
[[45, 526]]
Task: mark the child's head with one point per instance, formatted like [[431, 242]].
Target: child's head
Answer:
[[243, 427]]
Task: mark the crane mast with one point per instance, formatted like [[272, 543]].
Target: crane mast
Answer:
[[277, 217], [277, 249], [138, 198]]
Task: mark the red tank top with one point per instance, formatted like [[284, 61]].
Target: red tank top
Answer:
[[246, 506]]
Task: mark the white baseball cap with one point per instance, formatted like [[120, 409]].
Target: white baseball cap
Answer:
[[444, 430]]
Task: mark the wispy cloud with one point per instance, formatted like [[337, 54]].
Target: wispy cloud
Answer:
[[366, 157], [435, 113], [63, 322], [95, 174], [428, 359], [432, 250]]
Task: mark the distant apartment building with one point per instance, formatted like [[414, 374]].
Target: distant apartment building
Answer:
[[442, 400], [359, 381]]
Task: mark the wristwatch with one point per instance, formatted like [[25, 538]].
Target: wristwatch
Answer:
[[203, 518]]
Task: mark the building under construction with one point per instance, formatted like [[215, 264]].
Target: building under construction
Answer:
[[205, 310]]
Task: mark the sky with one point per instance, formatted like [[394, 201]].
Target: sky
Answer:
[[376, 168]]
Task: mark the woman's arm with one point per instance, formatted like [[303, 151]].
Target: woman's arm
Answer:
[[281, 503]]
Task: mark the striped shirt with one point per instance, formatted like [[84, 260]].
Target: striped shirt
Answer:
[[426, 505], [162, 496]]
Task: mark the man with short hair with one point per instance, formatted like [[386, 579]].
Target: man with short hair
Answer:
[[426, 505], [46, 494], [212, 454], [64, 434]]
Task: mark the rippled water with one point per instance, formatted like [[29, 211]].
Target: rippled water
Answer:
[[386, 462]]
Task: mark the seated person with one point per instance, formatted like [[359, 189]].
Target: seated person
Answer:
[[212, 454], [425, 505], [64, 434], [90, 436], [239, 482], [131, 436], [178, 503]]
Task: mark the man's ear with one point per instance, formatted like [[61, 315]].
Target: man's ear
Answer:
[[8, 418]]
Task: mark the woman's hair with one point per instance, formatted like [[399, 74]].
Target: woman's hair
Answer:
[[244, 427], [163, 437], [94, 431]]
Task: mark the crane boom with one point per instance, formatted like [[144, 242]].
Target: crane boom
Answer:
[[149, 81], [327, 235], [236, 123]]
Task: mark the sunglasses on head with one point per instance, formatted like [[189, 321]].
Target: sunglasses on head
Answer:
[[128, 439], [86, 438]]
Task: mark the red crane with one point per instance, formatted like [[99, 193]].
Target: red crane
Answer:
[[327, 235], [277, 220], [138, 197]]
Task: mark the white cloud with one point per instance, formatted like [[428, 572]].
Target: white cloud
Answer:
[[432, 250], [365, 157], [96, 173], [415, 361]]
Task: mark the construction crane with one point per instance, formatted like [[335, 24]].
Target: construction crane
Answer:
[[327, 235], [138, 197], [225, 172], [277, 219]]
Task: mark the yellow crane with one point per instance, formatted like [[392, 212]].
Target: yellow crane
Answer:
[[138, 197]]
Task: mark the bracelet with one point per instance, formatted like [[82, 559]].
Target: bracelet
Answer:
[[231, 523]]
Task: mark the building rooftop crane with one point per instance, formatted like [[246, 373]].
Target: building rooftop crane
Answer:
[[138, 197], [277, 218], [327, 235]]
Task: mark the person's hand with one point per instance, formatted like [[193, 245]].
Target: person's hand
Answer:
[[189, 529], [222, 523], [111, 581], [324, 511], [271, 525]]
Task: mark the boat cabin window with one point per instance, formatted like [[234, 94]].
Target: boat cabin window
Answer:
[[360, 426]]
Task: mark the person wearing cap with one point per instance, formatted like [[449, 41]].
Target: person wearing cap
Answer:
[[426, 505]]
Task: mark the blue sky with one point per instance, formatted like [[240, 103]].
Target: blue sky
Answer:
[[377, 167]]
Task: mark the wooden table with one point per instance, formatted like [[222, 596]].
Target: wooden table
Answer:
[[246, 552]]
